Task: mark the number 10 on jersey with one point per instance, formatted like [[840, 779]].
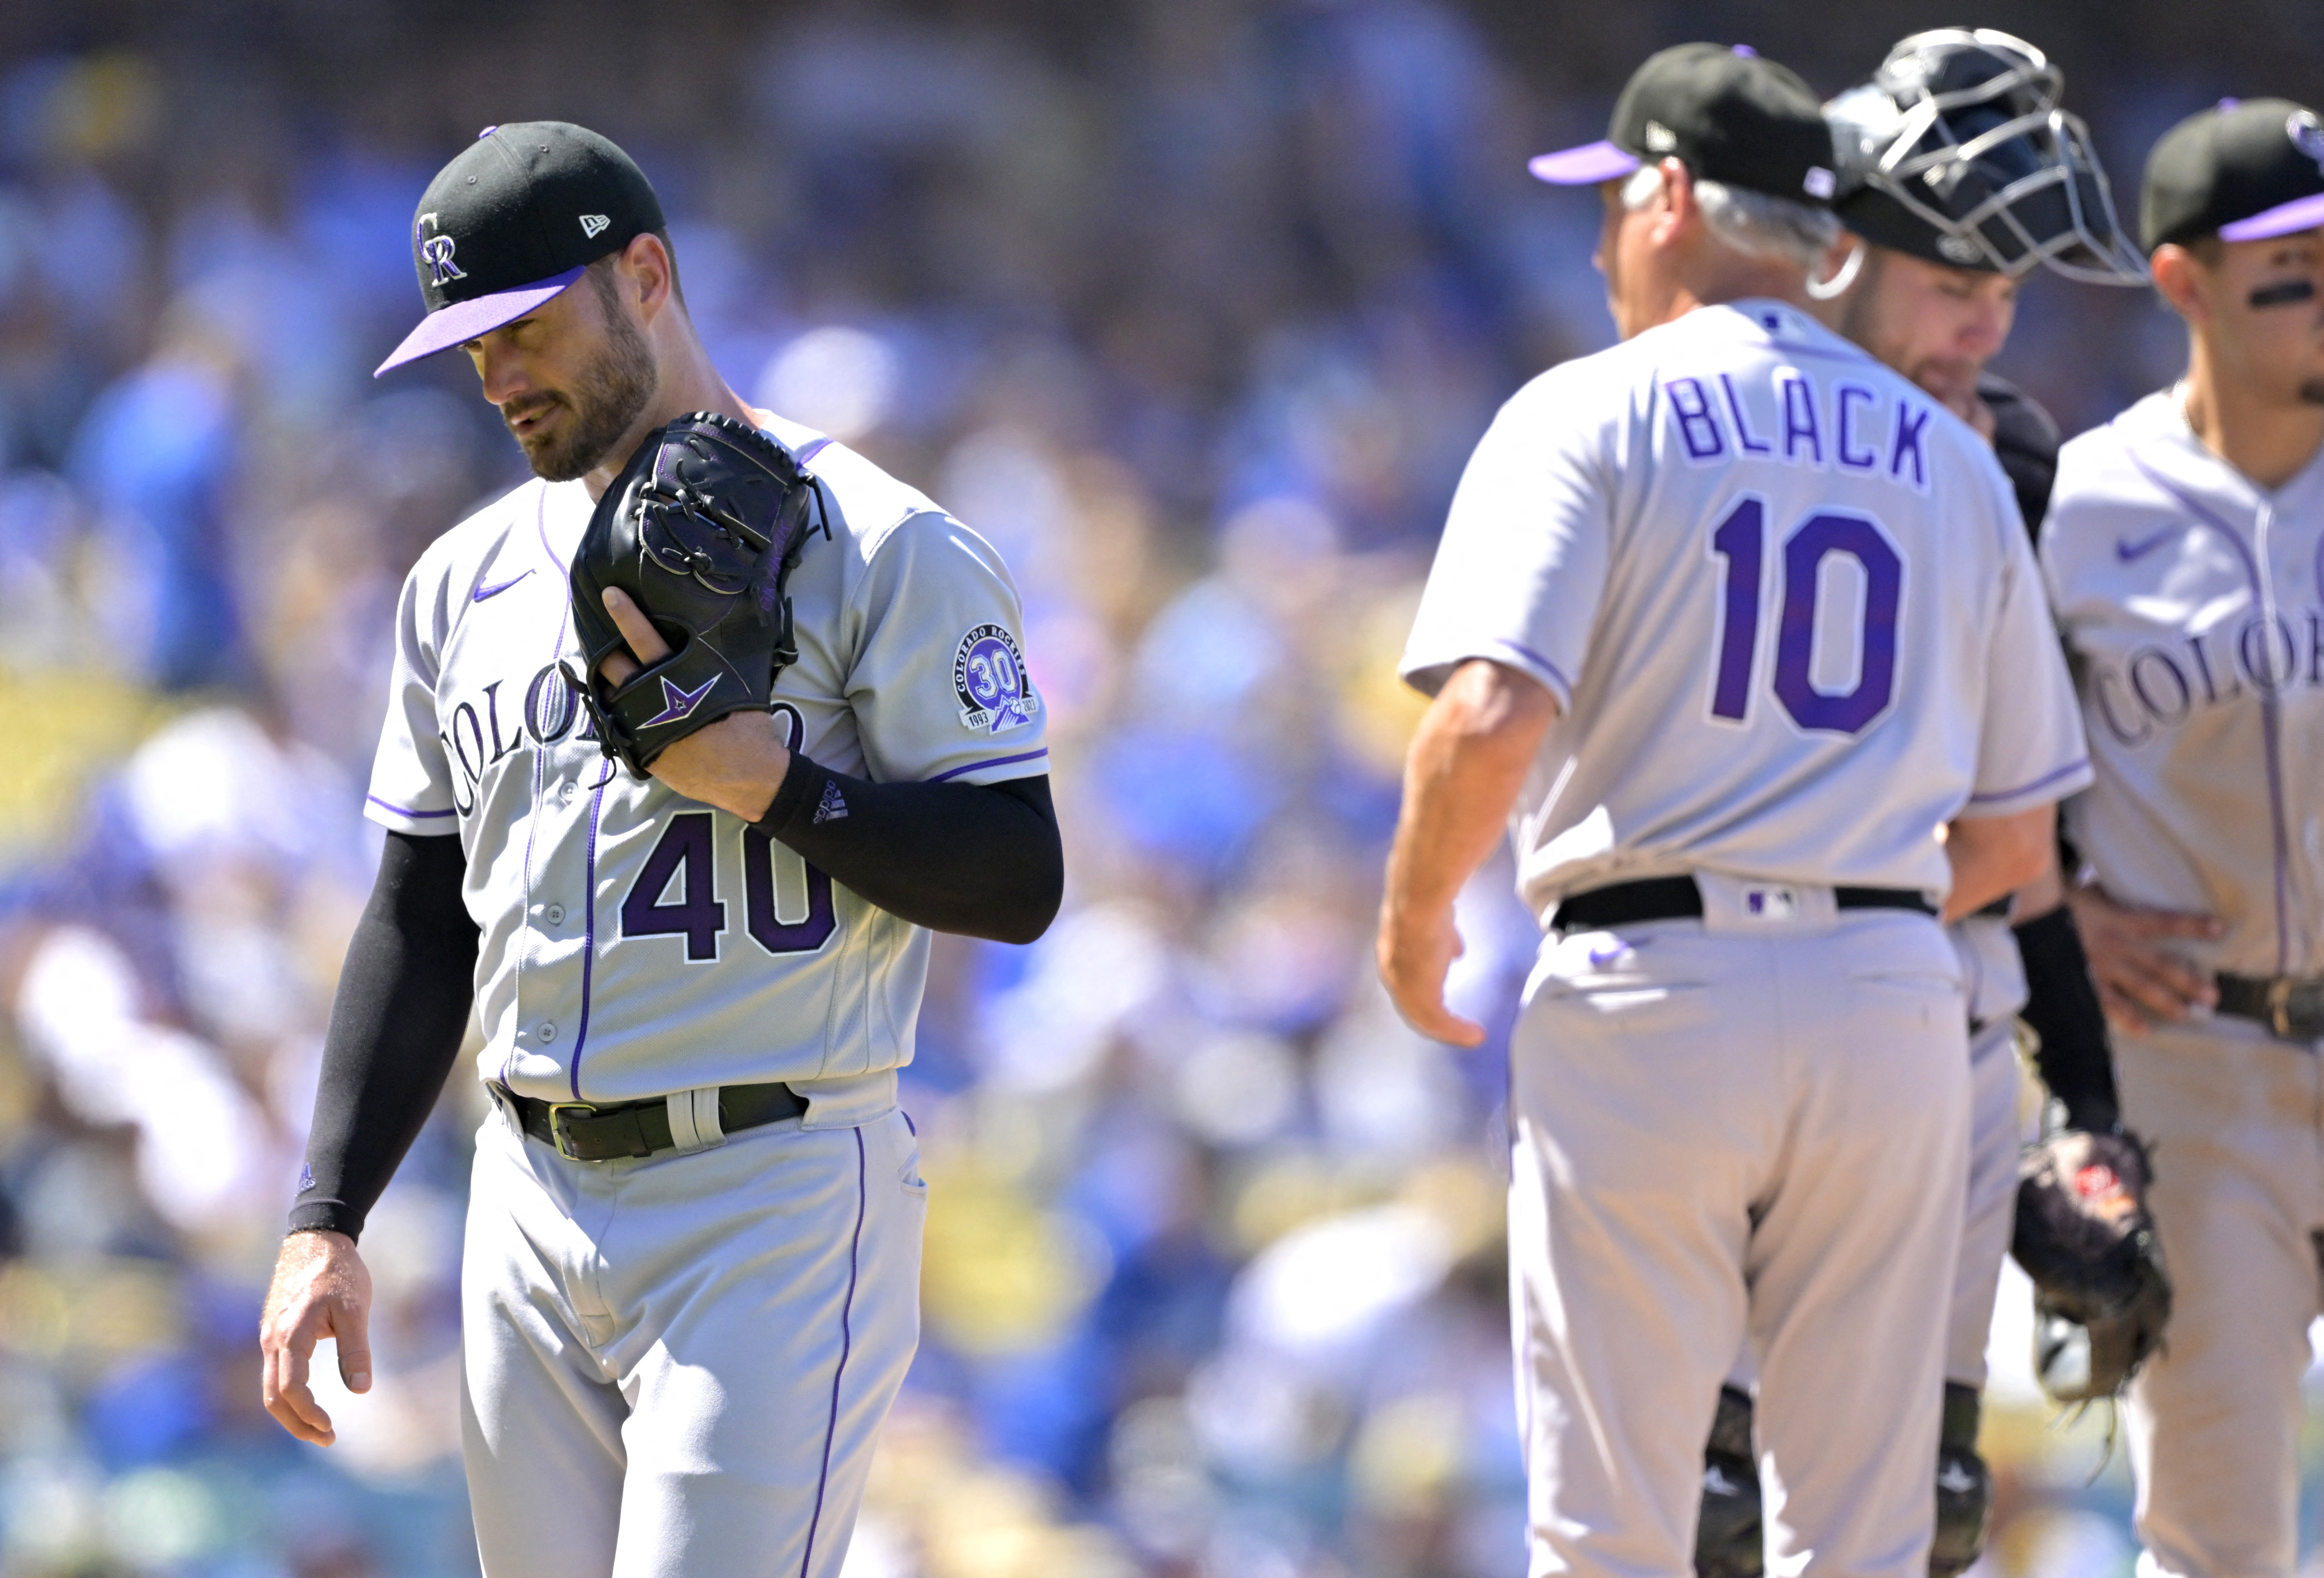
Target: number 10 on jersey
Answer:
[[1741, 539]]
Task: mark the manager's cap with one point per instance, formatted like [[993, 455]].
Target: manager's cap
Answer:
[[513, 221], [1727, 114], [2243, 170]]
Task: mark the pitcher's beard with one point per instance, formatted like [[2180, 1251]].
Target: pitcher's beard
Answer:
[[603, 404]]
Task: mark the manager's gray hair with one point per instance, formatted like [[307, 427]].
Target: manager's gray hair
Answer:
[[1751, 223]]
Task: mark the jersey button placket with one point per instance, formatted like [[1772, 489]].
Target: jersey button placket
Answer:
[[554, 915], [547, 1032]]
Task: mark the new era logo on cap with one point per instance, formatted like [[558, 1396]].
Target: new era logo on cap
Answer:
[[591, 223]]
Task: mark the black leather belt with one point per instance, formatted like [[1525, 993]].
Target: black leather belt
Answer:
[[1678, 899], [2292, 1009], [581, 1132]]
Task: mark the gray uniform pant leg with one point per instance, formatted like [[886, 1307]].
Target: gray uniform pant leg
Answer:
[[1996, 1136], [679, 1365], [2214, 1420], [1716, 1135]]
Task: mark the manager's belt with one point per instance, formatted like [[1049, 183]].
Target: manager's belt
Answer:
[[1678, 899], [2292, 1009], [582, 1132]]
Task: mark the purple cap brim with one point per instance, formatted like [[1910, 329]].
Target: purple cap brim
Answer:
[[463, 321], [2284, 219], [1584, 166]]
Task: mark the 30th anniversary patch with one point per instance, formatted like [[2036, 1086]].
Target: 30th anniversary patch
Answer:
[[987, 674]]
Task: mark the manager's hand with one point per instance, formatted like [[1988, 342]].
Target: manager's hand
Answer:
[[321, 1289], [1415, 953]]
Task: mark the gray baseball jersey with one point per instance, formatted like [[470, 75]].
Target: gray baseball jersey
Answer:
[[2193, 604], [1784, 601], [635, 942]]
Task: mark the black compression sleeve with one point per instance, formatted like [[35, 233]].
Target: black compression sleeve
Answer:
[[2075, 1059], [982, 860], [396, 1024]]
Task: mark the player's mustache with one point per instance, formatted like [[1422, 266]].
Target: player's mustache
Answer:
[[515, 411]]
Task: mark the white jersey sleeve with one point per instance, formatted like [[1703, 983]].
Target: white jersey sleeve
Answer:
[[938, 688], [1522, 565], [411, 786], [2031, 751]]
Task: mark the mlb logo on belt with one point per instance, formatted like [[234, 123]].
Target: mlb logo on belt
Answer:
[[1771, 903]]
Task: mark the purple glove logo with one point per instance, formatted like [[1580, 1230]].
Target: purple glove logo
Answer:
[[678, 704]]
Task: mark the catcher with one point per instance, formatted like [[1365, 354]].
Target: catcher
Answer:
[[689, 744], [1959, 176]]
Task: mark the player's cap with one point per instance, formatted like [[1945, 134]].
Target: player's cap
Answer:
[[2243, 170], [1956, 152], [1726, 114], [513, 221]]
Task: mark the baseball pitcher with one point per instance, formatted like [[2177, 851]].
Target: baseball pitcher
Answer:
[[689, 743]]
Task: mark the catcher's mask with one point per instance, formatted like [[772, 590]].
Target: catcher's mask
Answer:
[[1956, 152]]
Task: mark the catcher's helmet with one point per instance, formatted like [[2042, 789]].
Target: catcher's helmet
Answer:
[[1956, 152]]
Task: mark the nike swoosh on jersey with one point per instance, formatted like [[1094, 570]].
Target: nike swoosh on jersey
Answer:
[[2127, 551], [483, 591], [678, 704]]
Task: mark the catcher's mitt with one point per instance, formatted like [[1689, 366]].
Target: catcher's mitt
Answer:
[[2100, 1294], [700, 528]]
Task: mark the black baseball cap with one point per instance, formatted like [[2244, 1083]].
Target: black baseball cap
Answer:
[[513, 221], [1727, 114], [2243, 170]]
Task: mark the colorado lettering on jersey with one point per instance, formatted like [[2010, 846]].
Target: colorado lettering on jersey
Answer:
[[480, 730], [2161, 684], [1842, 425]]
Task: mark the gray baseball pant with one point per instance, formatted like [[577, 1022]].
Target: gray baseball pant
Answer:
[[1728, 1129], [678, 1364]]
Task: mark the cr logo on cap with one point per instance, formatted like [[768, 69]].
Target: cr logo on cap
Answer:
[[2307, 135], [436, 252]]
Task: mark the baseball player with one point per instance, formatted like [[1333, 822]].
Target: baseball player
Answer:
[[689, 1284], [1729, 621], [2183, 551], [1959, 174]]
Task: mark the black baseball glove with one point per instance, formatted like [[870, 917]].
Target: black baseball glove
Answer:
[[700, 529], [2101, 1296]]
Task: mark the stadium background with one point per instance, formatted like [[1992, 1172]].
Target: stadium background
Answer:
[[1194, 308]]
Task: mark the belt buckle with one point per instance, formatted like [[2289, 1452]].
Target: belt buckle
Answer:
[[2279, 1007], [559, 1133]]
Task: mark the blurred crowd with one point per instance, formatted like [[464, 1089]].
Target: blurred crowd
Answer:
[[1196, 322]]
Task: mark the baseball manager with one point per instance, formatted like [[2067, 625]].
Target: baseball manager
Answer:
[[1726, 622], [689, 1289]]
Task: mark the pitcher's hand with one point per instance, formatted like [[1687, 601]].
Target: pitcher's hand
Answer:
[[321, 1289]]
